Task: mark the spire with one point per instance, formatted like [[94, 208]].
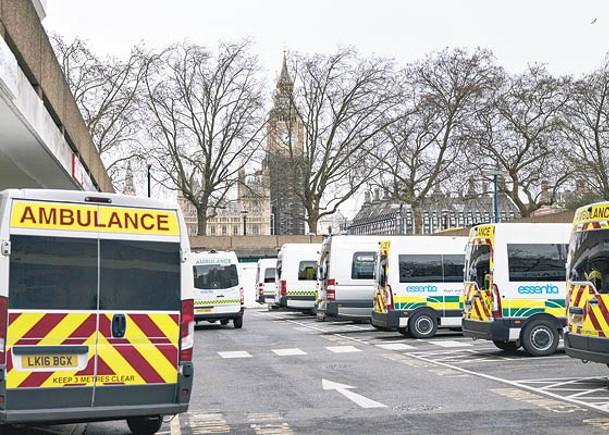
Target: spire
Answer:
[[285, 85], [129, 187]]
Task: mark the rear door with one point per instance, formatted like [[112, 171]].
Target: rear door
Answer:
[[139, 308], [217, 286], [478, 301]]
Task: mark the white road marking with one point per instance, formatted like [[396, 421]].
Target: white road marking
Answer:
[[450, 343], [289, 352], [235, 354], [358, 399], [395, 346], [343, 349], [174, 425]]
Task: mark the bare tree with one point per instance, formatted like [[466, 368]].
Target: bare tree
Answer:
[[205, 120], [587, 130], [106, 92], [426, 145], [343, 101], [519, 134]]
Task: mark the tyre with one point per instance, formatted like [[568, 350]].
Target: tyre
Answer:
[[423, 325], [320, 317], [508, 346], [539, 338], [224, 322], [238, 322], [145, 425]]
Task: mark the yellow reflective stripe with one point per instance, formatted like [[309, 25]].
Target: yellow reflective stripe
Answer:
[[116, 362], [167, 325]]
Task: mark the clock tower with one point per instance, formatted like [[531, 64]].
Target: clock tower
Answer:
[[285, 138]]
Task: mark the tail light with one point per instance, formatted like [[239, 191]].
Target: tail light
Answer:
[[389, 297], [187, 330], [241, 296], [260, 289], [331, 290], [3, 322], [283, 287], [497, 314]]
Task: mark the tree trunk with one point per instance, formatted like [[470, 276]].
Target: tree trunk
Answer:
[[312, 220], [201, 221], [417, 217]]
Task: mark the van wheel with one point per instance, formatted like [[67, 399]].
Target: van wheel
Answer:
[[422, 325], [238, 322], [145, 425], [320, 317], [224, 322], [539, 338], [508, 346]]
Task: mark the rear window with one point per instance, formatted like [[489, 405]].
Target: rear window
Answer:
[[307, 271], [139, 275], [53, 273], [362, 265], [215, 276], [269, 275], [537, 262]]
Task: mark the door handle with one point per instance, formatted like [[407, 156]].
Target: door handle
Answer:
[[593, 301], [476, 296], [119, 325], [576, 311]]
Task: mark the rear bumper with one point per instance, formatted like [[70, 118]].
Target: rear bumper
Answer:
[[387, 320], [351, 309], [219, 316], [497, 330], [587, 348]]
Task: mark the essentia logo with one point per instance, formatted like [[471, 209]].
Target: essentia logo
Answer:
[[421, 288], [548, 289]]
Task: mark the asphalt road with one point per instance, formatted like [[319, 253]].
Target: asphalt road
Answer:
[[285, 373]]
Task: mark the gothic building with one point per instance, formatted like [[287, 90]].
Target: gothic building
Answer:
[[285, 141]]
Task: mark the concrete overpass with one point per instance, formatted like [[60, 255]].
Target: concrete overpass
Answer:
[[43, 139]]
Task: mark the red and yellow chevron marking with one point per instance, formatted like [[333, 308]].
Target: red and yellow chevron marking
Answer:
[[480, 307], [147, 354], [380, 304], [595, 320]]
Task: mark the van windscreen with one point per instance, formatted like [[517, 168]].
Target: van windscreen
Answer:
[[589, 259], [215, 276]]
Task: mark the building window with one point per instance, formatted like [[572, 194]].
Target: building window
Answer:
[[212, 230], [235, 230], [224, 231], [255, 229]]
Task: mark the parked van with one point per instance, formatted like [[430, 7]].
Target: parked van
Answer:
[[515, 285], [218, 290], [265, 279], [96, 308], [587, 331], [297, 276], [419, 284], [346, 277]]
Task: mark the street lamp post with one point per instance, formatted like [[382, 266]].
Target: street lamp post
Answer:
[[148, 177], [244, 222], [495, 173]]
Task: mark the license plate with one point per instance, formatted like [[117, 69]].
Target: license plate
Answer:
[[49, 361], [202, 310]]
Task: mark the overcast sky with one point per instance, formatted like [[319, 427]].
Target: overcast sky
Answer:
[[570, 37]]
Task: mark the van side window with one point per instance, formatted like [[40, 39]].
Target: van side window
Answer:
[[362, 265], [307, 270], [139, 275], [53, 273], [452, 267], [537, 262], [269, 275], [421, 268]]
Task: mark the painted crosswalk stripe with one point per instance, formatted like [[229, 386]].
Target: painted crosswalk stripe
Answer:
[[395, 346], [343, 349], [289, 352], [235, 354], [450, 343]]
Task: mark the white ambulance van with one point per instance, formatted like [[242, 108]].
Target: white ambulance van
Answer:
[[419, 284], [346, 277], [96, 309], [265, 280], [296, 279], [218, 290], [515, 285], [587, 332]]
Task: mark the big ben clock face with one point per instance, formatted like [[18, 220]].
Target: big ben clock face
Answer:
[[287, 136]]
